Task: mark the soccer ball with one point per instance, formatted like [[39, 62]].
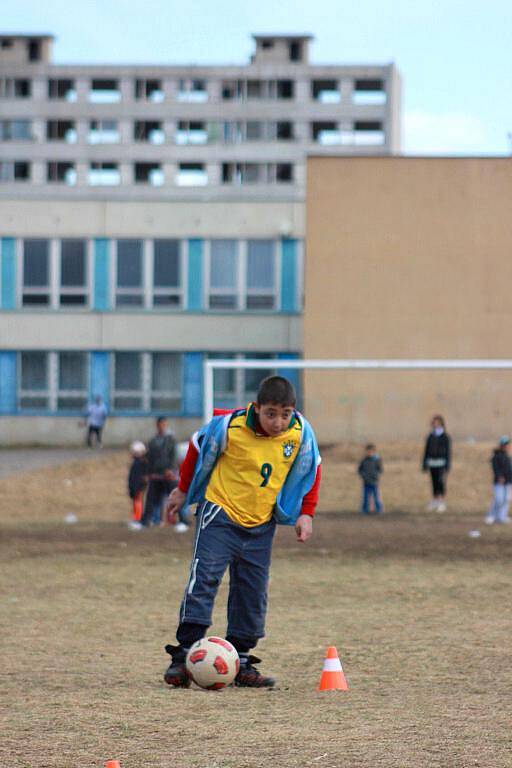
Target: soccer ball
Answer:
[[212, 663]]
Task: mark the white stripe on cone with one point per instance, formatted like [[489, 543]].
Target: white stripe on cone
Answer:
[[332, 665]]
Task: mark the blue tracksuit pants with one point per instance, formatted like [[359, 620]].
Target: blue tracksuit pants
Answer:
[[220, 543]]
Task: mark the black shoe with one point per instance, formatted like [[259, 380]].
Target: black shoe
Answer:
[[176, 673], [249, 677]]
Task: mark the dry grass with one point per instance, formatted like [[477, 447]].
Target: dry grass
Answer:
[[420, 613]]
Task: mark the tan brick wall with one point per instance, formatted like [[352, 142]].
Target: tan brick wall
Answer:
[[408, 258]]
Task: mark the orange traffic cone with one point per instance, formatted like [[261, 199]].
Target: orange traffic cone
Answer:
[[332, 678], [112, 764]]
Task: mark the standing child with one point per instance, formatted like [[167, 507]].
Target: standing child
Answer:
[[437, 459], [370, 470], [502, 483], [248, 470], [137, 481]]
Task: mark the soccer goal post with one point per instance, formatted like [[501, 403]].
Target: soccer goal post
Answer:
[[212, 365]]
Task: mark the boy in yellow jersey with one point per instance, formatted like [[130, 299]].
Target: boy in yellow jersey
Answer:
[[248, 470]]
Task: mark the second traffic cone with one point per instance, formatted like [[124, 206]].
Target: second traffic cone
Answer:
[[332, 678], [112, 764]]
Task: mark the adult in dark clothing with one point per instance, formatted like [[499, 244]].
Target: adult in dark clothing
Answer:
[[437, 460], [502, 483], [370, 470], [162, 472]]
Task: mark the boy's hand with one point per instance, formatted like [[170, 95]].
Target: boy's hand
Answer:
[[304, 527], [174, 503]]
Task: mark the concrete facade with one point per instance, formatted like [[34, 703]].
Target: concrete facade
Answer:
[[412, 258], [151, 216]]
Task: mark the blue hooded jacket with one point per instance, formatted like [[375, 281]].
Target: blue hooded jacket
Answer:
[[211, 441]]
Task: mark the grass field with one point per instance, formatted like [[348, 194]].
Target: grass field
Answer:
[[419, 610]]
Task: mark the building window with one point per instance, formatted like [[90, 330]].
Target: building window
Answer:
[[326, 133], [285, 89], [369, 91], [167, 274], [53, 381], [256, 89], [233, 133], [34, 393], [72, 379], [149, 89], [191, 132], [149, 173], [149, 130], [34, 50], [295, 51], [257, 173], [326, 91], [368, 132], [192, 90], [235, 387], [261, 280], [166, 376], [147, 382], [36, 273], [61, 130], [61, 172], [127, 395], [191, 175], [283, 173], [241, 173], [74, 280], [14, 170], [103, 132], [15, 130], [61, 89], [224, 263], [233, 90], [242, 275], [103, 175], [104, 91], [254, 130], [15, 88], [284, 131], [129, 274]]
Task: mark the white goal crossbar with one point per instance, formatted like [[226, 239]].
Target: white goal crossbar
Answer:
[[284, 364]]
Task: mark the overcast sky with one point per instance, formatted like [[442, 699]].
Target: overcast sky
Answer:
[[455, 56]]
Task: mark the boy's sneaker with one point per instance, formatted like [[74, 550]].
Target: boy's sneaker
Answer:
[[176, 673], [441, 507], [249, 677], [489, 520]]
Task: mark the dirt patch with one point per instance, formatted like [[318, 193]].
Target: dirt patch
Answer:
[[418, 610]]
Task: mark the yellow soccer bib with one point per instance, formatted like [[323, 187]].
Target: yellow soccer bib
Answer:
[[252, 470]]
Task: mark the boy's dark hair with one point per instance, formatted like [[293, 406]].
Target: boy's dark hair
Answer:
[[369, 447], [159, 419], [276, 390]]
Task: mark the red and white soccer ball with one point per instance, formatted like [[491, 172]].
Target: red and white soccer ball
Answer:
[[212, 663]]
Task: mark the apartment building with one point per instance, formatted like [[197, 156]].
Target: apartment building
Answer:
[[151, 216]]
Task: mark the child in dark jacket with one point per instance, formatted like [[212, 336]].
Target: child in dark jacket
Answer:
[[502, 483], [437, 460], [137, 481], [370, 470]]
